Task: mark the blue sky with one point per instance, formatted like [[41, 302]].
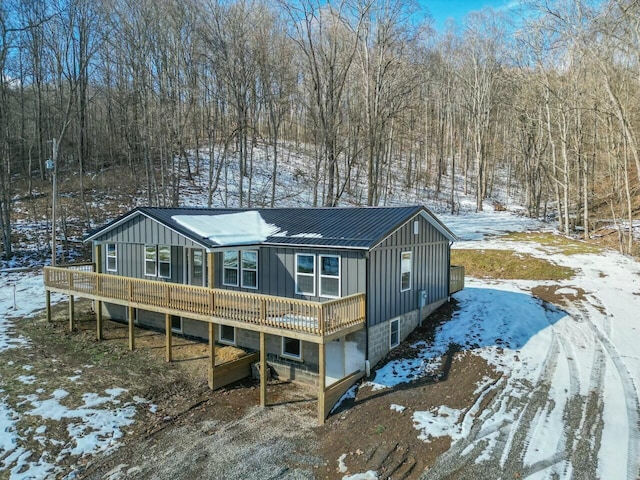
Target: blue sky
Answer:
[[441, 10]]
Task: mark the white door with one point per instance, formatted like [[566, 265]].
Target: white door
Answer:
[[334, 356]]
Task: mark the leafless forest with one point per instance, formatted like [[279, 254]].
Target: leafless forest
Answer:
[[545, 99]]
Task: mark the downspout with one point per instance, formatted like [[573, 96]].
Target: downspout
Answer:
[[449, 273]]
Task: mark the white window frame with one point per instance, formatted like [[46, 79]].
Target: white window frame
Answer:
[[410, 271], [321, 276], [226, 341], [397, 328], [225, 268], [147, 249], [242, 269], [312, 274], [291, 356], [111, 255], [163, 262]]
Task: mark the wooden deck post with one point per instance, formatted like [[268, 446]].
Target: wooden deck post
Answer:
[[132, 339], [98, 320], [168, 337], [97, 259], [263, 370], [212, 355], [210, 270], [72, 323], [322, 414], [48, 300]]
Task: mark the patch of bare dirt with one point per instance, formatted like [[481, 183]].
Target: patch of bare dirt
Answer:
[[559, 295], [375, 437], [197, 433]]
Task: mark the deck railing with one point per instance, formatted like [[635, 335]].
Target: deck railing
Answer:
[[315, 318], [456, 279]]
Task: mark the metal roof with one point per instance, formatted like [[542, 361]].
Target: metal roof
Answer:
[[342, 227]]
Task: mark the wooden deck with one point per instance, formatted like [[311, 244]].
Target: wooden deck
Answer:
[[456, 279], [317, 322]]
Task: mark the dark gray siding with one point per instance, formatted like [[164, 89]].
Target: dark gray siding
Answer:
[[430, 271], [130, 262], [276, 271], [143, 230]]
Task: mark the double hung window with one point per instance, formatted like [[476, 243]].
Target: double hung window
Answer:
[[305, 274], [112, 257], [240, 268], [157, 261]]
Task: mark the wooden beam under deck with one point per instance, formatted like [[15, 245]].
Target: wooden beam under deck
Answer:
[[263, 370], [48, 300], [132, 338], [212, 357], [72, 319], [168, 338], [99, 322], [322, 414]]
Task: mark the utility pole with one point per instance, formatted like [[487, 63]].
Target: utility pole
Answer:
[[53, 166]]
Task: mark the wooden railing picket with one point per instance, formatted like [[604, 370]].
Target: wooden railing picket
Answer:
[[287, 314]]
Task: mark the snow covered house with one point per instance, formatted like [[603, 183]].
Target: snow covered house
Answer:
[[318, 292]]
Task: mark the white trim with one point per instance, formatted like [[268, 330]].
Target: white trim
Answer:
[[225, 340], [114, 256], [289, 355], [242, 269], [224, 268], [128, 216], [155, 261], [397, 322], [430, 218], [312, 274], [410, 272], [321, 276]]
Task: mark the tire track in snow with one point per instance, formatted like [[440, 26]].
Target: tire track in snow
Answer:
[[632, 399], [514, 413]]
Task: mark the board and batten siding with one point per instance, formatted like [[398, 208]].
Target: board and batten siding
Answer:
[[277, 269], [430, 251], [142, 229], [130, 262]]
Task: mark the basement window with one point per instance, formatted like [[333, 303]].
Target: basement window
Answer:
[[112, 257], [176, 324], [291, 348], [394, 333], [227, 335]]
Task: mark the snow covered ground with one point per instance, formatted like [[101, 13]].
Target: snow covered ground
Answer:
[[567, 405], [93, 423]]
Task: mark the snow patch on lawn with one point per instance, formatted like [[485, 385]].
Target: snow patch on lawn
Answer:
[[90, 429], [369, 475], [440, 422]]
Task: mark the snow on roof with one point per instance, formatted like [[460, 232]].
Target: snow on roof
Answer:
[[242, 228]]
